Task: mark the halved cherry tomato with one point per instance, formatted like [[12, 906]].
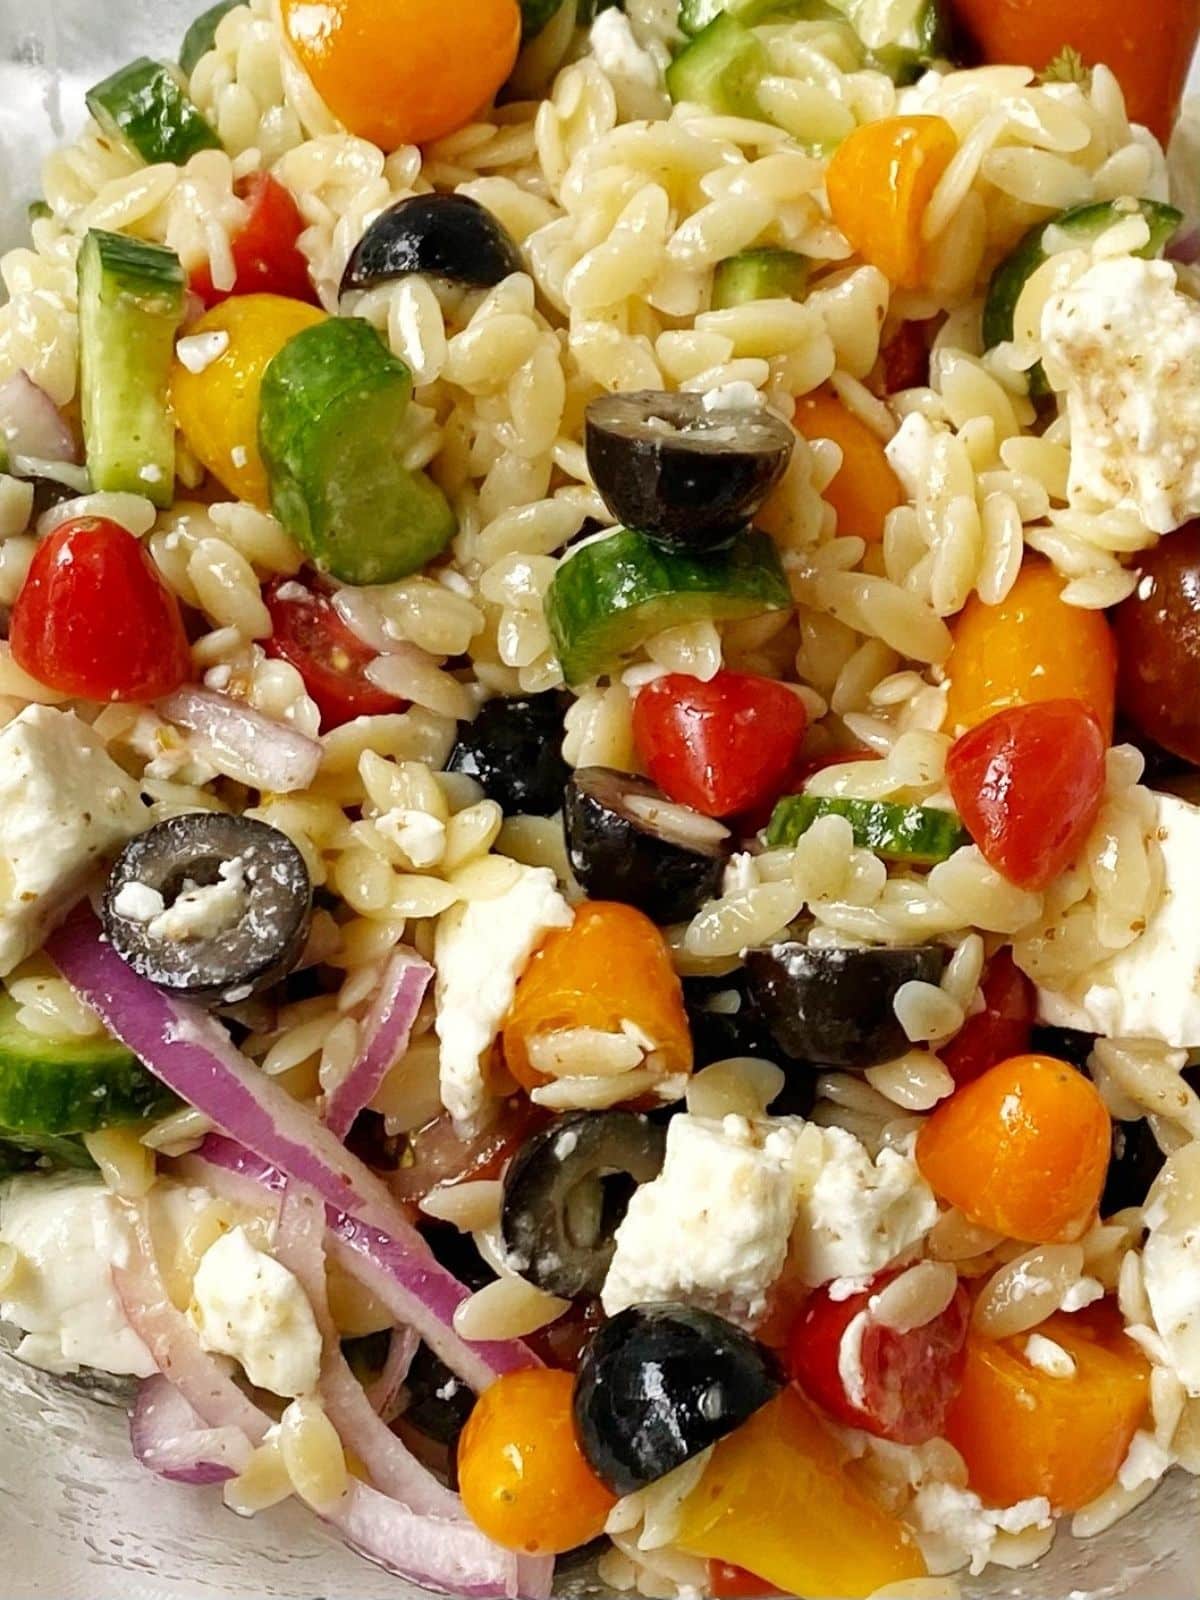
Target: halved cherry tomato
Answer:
[[724, 746], [1028, 784], [1002, 1029], [880, 181], [1023, 1150], [95, 620], [864, 489], [523, 1478], [331, 659], [727, 1582], [560, 1343], [265, 254], [439, 1156], [1024, 1433], [905, 357], [610, 967], [905, 1381]]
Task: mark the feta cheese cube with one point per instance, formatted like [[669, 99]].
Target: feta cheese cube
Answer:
[[955, 1529], [245, 1304]]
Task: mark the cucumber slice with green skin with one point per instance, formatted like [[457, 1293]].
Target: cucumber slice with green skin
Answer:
[[41, 1152], [695, 15], [38, 211], [759, 275], [131, 299], [721, 68], [1082, 226], [201, 36], [331, 429], [56, 1087], [610, 596], [145, 107], [919, 835]]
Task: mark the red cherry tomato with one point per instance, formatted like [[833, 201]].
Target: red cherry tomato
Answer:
[[905, 357], [330, 658], [727, 1582], [439, 1156], [725, 746], [94, 619], [265, 255], [908, 1380], [1028, 783], [1002, 1029]]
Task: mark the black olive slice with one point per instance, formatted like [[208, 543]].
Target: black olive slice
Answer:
[[685, 475], [444, 235], [513, 749], [627, 841], [658, 1384], [1137, 1159], [836, 1007], [567, 1190], [210, 907]]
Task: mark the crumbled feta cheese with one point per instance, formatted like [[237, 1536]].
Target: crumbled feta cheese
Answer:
[[204, 911], [1124, 345], [64, 803], [199, 350], [245, 1304], [151, 473], [1083, 1292], [1048, 1357], [713, 1228], [1171, 1262], [635, 74], [1151, 988], [138, 902], [480, 950], [955, 1529], [1145, 1462], [741, 873], [736, 396], [421, 837], [239, 455], [291, 590]]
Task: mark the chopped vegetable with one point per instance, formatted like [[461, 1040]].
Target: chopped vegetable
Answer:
[[266, 255], [94, 619], [31, 424], [171, 1439], [242, 743], [721, 747], [1158, 645], [864, 489], [880, 181], [1023, 1150], [130, 308], [1024, 1432], [1002, 1028], [202, 35], [1028, 784], [331, 432], [308, 633], [447, 236], [612, 595], [764, 274], [513, 750], [145, 107], [917, 834], [385, 1034], [42, 1152], [720, 68]]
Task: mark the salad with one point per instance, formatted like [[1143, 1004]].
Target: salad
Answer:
[[600, 781]]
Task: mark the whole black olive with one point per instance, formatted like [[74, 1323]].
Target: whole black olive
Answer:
[[514, 750], [1137, 1159], [210, 907], [566, 1192], [1064, 1044], [438, 1402], [658, 1384], [725, 1021], [680, 473], [836, 1007], [628, 842], [444, 235]]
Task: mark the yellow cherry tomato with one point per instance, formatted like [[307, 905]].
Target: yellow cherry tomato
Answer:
[[217, 408], [864, 488], [404, 71], [880, 181], [523, 1478]]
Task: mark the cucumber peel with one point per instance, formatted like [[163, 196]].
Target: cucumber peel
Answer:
[[721, 68], [766, 274], [145, 107], [41, 1152], [202, 34], [918, 835]]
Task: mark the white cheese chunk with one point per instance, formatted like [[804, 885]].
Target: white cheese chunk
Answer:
[[245, 1304], [1045, 1355], [1171, 1262], [1124, 345], [1145, 1461], [636, 75], [955, 1529], [64, 803], [204, 911], [1151, 989], [480, 951], [736, 396]]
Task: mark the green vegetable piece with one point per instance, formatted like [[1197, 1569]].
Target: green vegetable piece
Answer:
[[131, 297], [54, 1087], [201, 36], [38, 211], [331, 430], [918, 835], [610, 596], [695, 15], [145, 107], [721, 68], [41, 1152], [759, 275], [1080, 226]]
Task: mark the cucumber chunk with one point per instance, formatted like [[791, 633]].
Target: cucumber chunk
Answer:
[[201, 36], [131, 297], [1079, 227], [55, 1087], [144, 106], [695, 15], [331, 430], [610, 596], [759, 275], [900, 37], [721, 68], [919, 835]]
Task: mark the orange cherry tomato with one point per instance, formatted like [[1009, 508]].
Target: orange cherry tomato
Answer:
[[522, 1476], [777, 1501], [1023, 1150], [1030, 647], [611, 966], [864, 488], [1024, 1433], [880, 181], [404, 71]]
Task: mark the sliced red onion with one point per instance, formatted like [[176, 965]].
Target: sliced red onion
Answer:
[[1185, 247], [169, 1438], [243, 743], [31, 424], [385, 1035], [384, 1394]]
